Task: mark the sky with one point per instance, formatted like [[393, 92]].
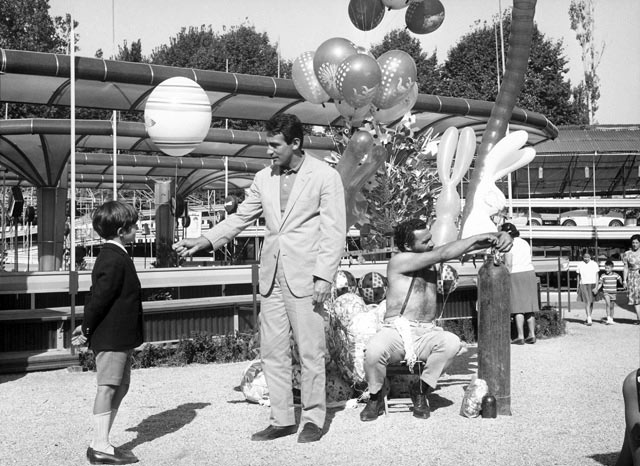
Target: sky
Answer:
[[302, 25]]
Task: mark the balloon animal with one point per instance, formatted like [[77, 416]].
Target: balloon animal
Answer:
[[487, 199], [359, 162], [445, 229], [517, 57]]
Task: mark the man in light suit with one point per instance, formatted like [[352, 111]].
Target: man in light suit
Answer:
[[302, 201]]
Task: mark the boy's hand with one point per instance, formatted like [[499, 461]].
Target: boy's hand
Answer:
[[77, 337]]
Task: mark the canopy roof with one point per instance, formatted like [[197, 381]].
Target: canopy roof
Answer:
[[35, 151], [581, 161]]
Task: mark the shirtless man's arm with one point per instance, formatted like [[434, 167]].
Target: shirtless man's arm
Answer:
[[411, 261]]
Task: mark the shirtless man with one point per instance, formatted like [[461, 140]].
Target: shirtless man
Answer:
[[409, 331]]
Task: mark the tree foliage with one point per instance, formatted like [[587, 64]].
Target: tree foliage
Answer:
[[26, 25], [239, 49], [470, 71], [581, 15]]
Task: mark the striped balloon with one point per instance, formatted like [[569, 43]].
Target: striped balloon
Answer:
[[177, 116]]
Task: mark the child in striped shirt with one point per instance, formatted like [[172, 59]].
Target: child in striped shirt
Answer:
[[608, 286]]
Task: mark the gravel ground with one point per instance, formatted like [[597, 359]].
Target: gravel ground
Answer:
[[566, 402]]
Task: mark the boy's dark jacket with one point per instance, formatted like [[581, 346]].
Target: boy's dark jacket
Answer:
[[113, 308]]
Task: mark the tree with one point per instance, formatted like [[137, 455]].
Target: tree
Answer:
[[581, 14], [427, 65], [470, 71], [26, 25], [133, 54], [240, 49]]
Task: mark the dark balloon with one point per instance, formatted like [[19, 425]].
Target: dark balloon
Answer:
[[424, 17], [366, 14]]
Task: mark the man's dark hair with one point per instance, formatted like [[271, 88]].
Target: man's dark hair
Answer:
[[403, 233], [634, 237], [111, 216], [286, 124], [511, 229]]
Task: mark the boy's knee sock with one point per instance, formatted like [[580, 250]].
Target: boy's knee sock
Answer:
[[101, 432], [114, 412]]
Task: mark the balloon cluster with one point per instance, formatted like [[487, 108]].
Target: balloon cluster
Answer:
[[422, 16], [360, 85]]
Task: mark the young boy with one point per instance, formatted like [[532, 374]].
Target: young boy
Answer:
[[587, 278], [608, 284], [112, 324]]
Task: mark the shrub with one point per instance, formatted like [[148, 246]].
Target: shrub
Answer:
[[150, 356], [549, 324], [465, 329], [87, 360], [201, 348]]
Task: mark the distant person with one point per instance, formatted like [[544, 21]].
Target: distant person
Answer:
[[112, 324], [302, 201], [631, 274], [587, 271], [524, 289], [409, 331], [607, 287], [630, 452]]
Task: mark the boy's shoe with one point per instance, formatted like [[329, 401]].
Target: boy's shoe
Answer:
[[610, 321], [589, 322], [118, 457]]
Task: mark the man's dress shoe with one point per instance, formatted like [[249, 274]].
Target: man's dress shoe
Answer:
[[274, 432], [310, 433]]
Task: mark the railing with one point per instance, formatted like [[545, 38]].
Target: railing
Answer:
[[47, 329]]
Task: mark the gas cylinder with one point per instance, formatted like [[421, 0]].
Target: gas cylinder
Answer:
[[494, 330], [488, 408]]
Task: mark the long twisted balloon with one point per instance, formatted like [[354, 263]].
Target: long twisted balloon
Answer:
[[517, 57]]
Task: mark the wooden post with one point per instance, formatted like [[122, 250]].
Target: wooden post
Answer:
[[494, 331]]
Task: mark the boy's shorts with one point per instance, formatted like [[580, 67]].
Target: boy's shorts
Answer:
[[114, 367]]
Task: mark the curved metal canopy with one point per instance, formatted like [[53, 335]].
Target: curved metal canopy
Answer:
[[35, 150]]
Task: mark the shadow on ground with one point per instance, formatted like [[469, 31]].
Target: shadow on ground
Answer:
[[4, 378], [464, 364], [606, 459], [163, 423]]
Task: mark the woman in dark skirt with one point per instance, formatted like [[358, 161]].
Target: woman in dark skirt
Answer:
[[524, 292]]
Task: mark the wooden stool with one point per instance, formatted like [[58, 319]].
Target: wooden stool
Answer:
[[402, 368]]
